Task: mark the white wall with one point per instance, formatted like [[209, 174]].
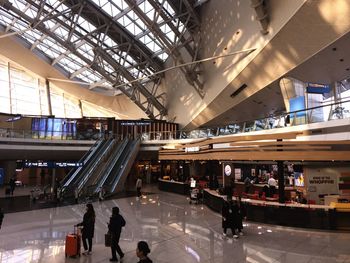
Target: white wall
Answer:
[[320, 181], [227, 26]]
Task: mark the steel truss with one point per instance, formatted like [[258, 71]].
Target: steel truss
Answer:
[[92, 46]]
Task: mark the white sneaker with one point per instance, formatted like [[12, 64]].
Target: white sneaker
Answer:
[[224, 234], [241, 233], [85, 253], [235, 236]]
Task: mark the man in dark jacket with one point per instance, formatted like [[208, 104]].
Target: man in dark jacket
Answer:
[[115, 225]]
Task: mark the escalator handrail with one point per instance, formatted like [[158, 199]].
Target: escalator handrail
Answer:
[[95, 164], [80, 172], [115, 161], [127, 156], [65, 182], [108, 164]]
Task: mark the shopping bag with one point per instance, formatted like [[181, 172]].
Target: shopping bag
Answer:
[[108, 239]]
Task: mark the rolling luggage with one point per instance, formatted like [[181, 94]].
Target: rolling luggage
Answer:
[[73, 244], [7, 191]]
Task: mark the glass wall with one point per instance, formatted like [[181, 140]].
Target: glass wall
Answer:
[[22, 92]]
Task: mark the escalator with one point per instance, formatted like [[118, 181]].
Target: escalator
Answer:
[[90, 160], [114, 179], [85, 159], [91, 186], [97, 167]]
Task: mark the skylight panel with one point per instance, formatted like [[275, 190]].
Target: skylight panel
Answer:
[[107, 67], [19, 5], [31, 13], [85, 48], [120, 3], [167, 7], [85, 25], [42, 47], [146, 7], [168, 32], [29, 38], [5, 18], [76, 60], [51, 53], [84, 78], [114, 10], [62, 33], [124, 21], [35, 34], [59, 7], [49, 24], [101, 3], [108, 8], [109, 42]]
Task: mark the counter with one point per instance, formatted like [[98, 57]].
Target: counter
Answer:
[[293, 214], [174, 187]]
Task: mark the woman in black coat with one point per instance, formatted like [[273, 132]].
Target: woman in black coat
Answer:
[[88, 225], [116, 222], [229, 217]]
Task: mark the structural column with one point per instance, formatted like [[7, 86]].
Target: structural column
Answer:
[[280, 171]]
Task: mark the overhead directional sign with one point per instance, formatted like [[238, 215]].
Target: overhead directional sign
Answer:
[[28, 164], [318, 88]]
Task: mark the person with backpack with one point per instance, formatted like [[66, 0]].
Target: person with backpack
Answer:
[[116, 222]]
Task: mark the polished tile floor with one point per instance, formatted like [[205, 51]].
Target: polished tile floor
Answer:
[[175, 230]]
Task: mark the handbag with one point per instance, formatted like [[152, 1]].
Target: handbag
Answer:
[[108, 239]]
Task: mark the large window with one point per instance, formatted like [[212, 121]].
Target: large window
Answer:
[[22, 92], [4, 88]]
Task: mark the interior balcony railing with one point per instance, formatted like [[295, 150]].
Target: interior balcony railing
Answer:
[[327, 111]]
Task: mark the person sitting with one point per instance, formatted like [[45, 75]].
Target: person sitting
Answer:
[[142, 251], [272, 185]]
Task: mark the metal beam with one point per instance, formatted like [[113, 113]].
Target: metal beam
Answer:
[[147, 102]]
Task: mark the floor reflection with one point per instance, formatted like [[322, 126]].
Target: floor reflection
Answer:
[[176, 231]]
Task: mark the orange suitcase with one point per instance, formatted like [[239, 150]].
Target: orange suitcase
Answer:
[[73, 244]]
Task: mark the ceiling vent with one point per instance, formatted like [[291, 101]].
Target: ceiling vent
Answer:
[[239, 90]]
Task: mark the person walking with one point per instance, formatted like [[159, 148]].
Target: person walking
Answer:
[[101, 194], [1, 216], [12, 185], [138, 187], [76, 195], [241, 214], [88, 225], [116, 222], [142, 251]]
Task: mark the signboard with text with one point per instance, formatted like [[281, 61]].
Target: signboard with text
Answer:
[[318, 88], [29, 164]]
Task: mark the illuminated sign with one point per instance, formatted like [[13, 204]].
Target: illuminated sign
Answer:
[[318, 88], [28, 164], [134, 123], [192, 149]]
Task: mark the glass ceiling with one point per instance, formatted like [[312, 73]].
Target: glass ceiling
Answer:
[[69, 36]]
